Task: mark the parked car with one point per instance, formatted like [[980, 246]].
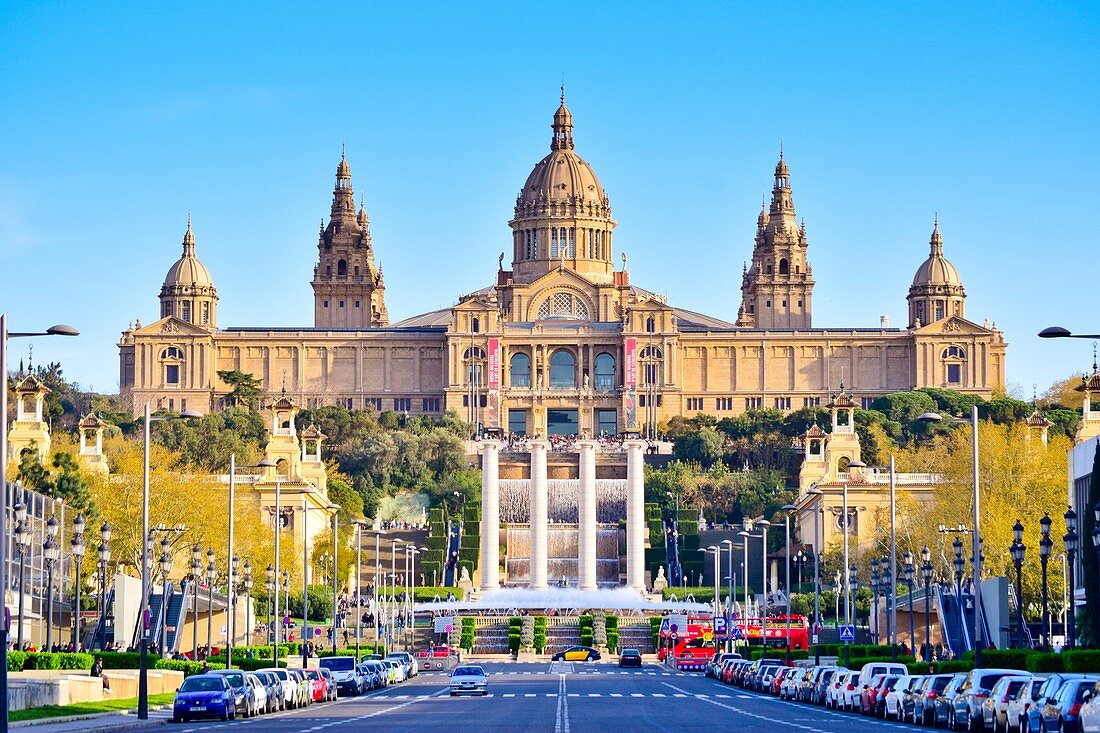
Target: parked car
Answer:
[[834, 697], [878, 696], [330, 683], [204, 696], [821, 685], [1034, 714], [717, 661], [1019, 705], [1062, 712], [631, 658], [408, 661], [318, 685], [925, 696], [1090, 711], [851, 693], [966, 708], [243, 696], [891, 700], [396, 668], [866, 704], [995, 707], [304, 687], [346, 673], [273, 687], [288, 686], [871, 669], [259, 693], [469, 679]]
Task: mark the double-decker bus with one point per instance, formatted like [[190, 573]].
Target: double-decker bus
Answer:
[[752, 631], [690, 637]]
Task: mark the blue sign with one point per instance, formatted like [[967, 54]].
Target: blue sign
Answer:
[[847, 633], [737, 633], [719, 625]]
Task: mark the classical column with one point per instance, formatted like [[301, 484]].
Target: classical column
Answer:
[[490, 515], [539, 512], [635, 515], [586, 516]]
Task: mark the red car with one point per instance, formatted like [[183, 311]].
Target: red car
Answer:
[[868, 693], [320, 685]]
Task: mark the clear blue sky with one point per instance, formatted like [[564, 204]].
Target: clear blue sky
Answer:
[[118, 118]]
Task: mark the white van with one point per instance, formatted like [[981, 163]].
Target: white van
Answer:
[[872, 668]]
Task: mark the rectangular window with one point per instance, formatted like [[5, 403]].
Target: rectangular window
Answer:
[[782, 403], [784, 304], [643, 401], [186, 311], [754, 403], [341, 304], [431, 404], [517, 422], [954, 373], [767, 304], [205, 313], [172, 374], [939, 310], [724, 404], [800, 304], [347, 402], [811, 402], [402, 404], [373, 403], [866, 402], [171, 405], [357, 304], [326, 303], [607, 422], [695, 403], [183, 405]]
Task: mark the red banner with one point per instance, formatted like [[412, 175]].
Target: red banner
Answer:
[[494, 383], [631, 363]]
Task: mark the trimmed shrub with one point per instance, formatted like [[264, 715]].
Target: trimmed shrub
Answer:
[[1081, 660], [16, 660], [43, 660], [466, 641], [513, 642], [1004, 658], [1040, 662], [179, 665], [120, 660], [796, 654]]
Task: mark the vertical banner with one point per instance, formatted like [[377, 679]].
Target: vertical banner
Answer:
[[630, 382], [493, 416]]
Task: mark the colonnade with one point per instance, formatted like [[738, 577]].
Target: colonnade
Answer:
[[586, 515]]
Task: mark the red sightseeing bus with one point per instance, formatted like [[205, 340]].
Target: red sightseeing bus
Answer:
[[751, 630], [687, 636]]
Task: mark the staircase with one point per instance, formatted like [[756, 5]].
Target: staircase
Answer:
[[491, 639], [177, 603], [954, 637], [638, 637], [102, 634], [454, 540]]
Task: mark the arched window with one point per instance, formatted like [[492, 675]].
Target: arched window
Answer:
[[605, 371], [651, 358], [171, 357], [563, 370], [954, 352], [342, 267], [475, 325], [519, 370], [784, 267], [474, 358], [172, 352], [650, 325], [562, 305]]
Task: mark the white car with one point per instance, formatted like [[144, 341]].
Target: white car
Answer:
[[346, 673], [1025, 698], [469, 679], [894, 696], [849, 696], [834, 695], [408, 661], [259, 693], [398, 668], [289, 686], [792, 681]]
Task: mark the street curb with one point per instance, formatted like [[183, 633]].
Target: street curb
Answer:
[[92, 716]]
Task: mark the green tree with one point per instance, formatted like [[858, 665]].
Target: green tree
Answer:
[[904, 407], [32, 473], [705, 447], [69, 484], [245, 389]]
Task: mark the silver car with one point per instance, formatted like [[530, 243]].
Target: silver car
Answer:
[[469, 679]]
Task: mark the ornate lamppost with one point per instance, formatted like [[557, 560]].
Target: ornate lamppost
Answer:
[[269, 586], [853, 584], [1046, 545], [874, 596], [196, 572], [1070, 542], [246, 586], [165, 570], [211, 576], [22, 536], [907, 560], [103, 554], [51, 553], [286, 595], [231, 608], [926, 574], [1016, 550], [77, 547], [959, 563]]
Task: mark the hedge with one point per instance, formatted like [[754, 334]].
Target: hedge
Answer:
[[248, 665], [795, 654], [19, 661], [466, 640], [180, 665], [1040, 662]]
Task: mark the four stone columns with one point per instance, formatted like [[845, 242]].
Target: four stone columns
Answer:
[[586, 516], [539, 514], [635, 515], [490, 515]]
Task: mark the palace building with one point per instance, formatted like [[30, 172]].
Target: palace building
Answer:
[[561, 341]]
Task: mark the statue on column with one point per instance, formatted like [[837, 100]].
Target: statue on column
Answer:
[[661, 582]]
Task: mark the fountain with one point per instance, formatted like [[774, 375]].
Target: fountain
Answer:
[[564, 500], [562, 540]]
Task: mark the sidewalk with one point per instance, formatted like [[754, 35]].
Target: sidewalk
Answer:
[[95, 722]]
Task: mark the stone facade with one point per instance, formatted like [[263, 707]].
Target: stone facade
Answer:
[[563, 341]]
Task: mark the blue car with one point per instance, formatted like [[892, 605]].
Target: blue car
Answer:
[[204, 696]]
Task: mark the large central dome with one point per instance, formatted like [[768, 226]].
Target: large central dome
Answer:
[[562, 214]]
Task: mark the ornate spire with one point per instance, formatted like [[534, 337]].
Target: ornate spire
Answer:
[[563, 126], [343, 198], [936, 242], [782, 202], [189, 239]]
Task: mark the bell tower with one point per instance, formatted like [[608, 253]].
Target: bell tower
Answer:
[[776, 290], [348, 290]]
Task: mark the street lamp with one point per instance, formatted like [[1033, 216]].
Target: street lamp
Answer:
[[959, 564], [22, 544], [103, 554], [787, 509], [58, 330], [211, 576], [1016, 550], [165, 569], [1046, 545], [846, 529], [763, 524], [196, 570], [926, 575], [78, 546], [1070, 542], [269, 586], [51, 553], [976, 559], [285, 585], [874, 595], [853, 583], [246, 585], [231, 605], [814, 491], [907, 560]]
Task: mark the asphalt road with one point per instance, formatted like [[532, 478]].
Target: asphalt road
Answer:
[[556, 698]]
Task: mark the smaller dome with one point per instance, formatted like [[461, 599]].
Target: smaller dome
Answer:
[[343, 170], [936, 270], [188, 271], [781, 169]]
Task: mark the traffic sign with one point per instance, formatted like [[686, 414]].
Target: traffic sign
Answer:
[[847, 633], [737, 633], [719, 625]]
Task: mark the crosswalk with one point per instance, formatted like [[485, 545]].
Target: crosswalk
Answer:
[[507, 695]]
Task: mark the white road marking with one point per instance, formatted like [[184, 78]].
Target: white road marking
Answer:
[[784, 723]]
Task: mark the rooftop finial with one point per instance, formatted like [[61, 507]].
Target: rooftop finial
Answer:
[[343, 151], [1094, 370], [781, 148], [188, 238], [563, 125]]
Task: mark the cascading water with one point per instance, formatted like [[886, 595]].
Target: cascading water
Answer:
[[564, 496]]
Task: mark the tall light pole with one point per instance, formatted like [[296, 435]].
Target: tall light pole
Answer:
[[907, 558], [334, 509], [143, 664], [103, 555], [269, 586], [976, 541], [23, 545], [165, 570], [305, 580], [874, 598], [285, 585], [1046, 545], [196, 574], [926, 575], [231, 608], [892, 579], [78, 546], [763, 524], [846, 530], [51, 553], [58, 330], [814, 491], [246, 585], [787, 509], [211, 577], [358, 584], [1070, 542], [1017, 551]]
